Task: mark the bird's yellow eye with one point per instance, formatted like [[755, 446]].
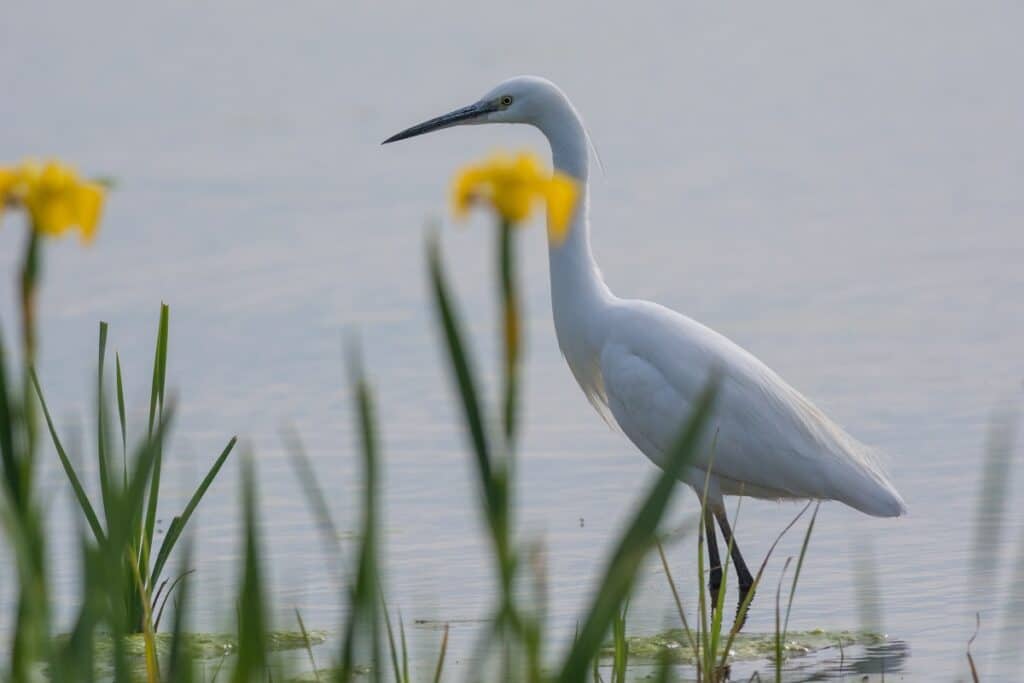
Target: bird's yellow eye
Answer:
[[506, 100]]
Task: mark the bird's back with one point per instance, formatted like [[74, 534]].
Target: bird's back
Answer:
[[769, 441]]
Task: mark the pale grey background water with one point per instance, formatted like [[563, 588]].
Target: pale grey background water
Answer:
[[836, 188]]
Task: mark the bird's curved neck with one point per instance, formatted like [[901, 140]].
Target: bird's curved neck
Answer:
[[577, 288]]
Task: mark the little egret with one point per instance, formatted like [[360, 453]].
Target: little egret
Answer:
[[643, 366]]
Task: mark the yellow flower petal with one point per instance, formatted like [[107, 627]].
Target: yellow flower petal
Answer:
[[511, 185], [88, 201], [7, 180], [512, 202], [465, 190], [28, 173], [56, 199]]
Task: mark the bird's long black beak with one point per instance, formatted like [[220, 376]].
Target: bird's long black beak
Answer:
[[454, 118]]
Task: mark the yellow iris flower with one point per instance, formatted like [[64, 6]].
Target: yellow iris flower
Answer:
[[55, 198], [512, 186]]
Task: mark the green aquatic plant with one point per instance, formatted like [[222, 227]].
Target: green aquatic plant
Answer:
[[672, 646], [145, 597], [709, 646], [22, 522], [364, 595], [54, 200], [251, 658]]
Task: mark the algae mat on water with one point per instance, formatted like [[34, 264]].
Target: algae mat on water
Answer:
[[675, 646], [210, 647]]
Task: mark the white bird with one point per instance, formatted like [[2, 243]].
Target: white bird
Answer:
[[644, 366]]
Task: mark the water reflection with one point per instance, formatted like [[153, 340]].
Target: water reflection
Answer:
[[849, 664], [852, 663]]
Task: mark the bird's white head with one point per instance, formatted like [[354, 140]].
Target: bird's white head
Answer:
[[530, 100], [523, 99]]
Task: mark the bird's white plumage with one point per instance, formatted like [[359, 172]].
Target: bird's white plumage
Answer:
[[646, 365], [769, 441], [643, 366]]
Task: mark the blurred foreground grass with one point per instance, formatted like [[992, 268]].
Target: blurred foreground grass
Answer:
[[127, 581]]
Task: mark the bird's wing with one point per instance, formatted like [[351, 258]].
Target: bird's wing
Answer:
[[766, 435]]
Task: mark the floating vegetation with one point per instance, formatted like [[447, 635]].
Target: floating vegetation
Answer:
[[198, 647], [329, 674], [673, 645]]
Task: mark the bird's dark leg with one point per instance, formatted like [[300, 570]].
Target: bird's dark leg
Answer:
[[745, 580], [714, 563]]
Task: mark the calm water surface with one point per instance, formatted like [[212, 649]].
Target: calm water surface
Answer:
[[838, 190]]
